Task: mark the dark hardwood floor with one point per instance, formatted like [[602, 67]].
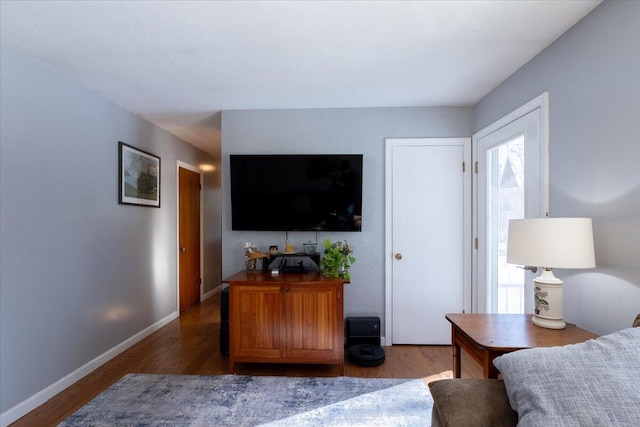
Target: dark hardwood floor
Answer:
[[190, 345]]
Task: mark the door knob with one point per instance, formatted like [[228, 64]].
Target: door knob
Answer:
[[398, 256], [183, 249]]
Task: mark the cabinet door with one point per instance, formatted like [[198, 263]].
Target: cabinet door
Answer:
[[315, 331], [257, 322]]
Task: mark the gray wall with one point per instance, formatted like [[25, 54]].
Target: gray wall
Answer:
[[592, 74], [358, 131], [79, 273]]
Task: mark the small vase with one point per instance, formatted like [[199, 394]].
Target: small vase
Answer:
[[340, 272], [251, 265]]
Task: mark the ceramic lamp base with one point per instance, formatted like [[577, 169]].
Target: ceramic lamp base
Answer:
[[548, 323], [548, 301]]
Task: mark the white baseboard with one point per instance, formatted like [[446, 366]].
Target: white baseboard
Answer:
[[211, 293], [42, 396]]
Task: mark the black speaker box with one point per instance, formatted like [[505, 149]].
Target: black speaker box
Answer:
[[363, 330], [224, 338], [224, 321], [224, 305]]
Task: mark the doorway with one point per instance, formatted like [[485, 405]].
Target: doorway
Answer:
[[427, 237], [510, 182], [189, 236]]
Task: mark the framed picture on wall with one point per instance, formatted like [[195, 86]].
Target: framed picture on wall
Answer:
[[139, 177]]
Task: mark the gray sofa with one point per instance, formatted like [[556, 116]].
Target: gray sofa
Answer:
[[587, 384]]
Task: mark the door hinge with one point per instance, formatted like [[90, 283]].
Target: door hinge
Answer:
[[200, 187], [200, 280], [464, 167], [476, 243], [476, 167]]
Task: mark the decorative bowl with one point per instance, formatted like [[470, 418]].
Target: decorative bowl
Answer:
[[310, 248]]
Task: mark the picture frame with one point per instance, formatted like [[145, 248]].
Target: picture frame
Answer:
[[139, 177]]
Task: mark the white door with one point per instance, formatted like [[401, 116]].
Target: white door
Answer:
[[510, 183], [428, 218]]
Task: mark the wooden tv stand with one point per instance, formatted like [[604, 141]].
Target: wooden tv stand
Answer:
[[286, 318]]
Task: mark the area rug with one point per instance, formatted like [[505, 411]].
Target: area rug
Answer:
[[235, 400]]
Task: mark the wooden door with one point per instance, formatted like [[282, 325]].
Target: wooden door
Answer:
[[429, 219], [314, 318], [257, 322], [189, 238]]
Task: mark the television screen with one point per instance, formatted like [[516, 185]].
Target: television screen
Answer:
[[296, 192]]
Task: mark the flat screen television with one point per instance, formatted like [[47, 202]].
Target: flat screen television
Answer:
[[292, 192]]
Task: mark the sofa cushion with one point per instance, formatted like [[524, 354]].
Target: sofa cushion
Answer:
[[471, 402], [595, 383]]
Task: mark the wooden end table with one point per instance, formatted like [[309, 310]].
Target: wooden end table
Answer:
[[487, 336]]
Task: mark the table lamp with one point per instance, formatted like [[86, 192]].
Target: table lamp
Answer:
[[550, 243]]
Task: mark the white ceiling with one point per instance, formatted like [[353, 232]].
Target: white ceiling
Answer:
[[178, 63]]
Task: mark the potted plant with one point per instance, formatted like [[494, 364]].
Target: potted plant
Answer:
[[337, 259]]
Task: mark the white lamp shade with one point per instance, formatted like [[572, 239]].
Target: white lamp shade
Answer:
[[551, 242]]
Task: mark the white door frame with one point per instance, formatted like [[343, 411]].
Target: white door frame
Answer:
[[540, 102], [181, 164], [390, 143]]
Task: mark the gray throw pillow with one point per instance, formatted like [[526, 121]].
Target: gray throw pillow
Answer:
[[595, 383]]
